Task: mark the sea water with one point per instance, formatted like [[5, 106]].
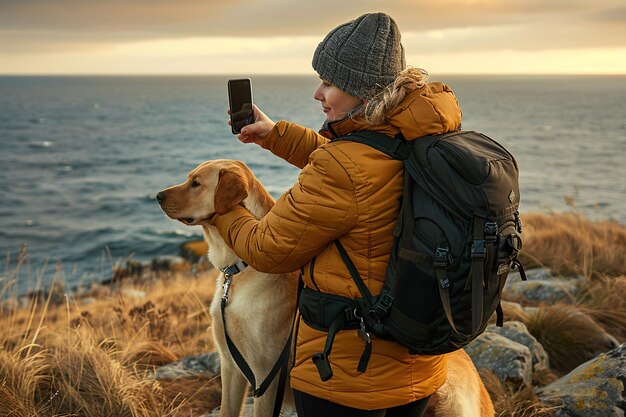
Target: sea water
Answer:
[[82, 158]]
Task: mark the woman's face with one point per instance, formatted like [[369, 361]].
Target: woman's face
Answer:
[[336, 103]]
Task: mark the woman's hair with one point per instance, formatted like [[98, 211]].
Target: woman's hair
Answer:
[[376, 110]]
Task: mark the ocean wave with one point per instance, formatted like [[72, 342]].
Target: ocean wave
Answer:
[[42, 144], [88, 179], [181, 232]]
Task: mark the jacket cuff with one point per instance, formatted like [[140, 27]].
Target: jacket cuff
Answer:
[[223, 222], [274, 135]]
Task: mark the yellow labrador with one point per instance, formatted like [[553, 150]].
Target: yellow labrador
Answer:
[[260, 306], [215, 187]]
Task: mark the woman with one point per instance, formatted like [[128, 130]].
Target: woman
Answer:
[[351, 192]]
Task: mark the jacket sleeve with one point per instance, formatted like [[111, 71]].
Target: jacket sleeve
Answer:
[[292, 142], [318, 209]]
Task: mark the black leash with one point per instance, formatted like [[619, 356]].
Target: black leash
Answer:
[[282, 364]]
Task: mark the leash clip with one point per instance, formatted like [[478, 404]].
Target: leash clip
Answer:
[[226, 286]]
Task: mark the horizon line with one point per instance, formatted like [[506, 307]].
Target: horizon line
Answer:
[[182, 74]]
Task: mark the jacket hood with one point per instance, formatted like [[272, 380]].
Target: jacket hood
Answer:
[[430, 110]]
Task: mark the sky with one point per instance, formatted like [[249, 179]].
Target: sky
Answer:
[[279, 36]]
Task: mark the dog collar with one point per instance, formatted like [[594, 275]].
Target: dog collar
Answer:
[[229, 272], [235, 268]]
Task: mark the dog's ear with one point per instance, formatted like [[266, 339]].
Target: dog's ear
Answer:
[[232, 188]]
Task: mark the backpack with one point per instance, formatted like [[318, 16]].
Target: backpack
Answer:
[[456, 240]]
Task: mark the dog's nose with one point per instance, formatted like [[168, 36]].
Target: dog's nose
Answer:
[[160, 197]]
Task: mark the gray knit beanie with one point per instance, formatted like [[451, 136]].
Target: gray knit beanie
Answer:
[[361, 57]]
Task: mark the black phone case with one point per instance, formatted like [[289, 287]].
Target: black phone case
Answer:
[[250, 118]]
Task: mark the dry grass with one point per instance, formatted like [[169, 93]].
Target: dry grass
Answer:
[[65, 357], [569, 336], [510, 401], [94, 358], [605, 301], [571, 244]]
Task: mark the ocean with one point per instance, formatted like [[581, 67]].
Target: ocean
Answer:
[[82, 158]]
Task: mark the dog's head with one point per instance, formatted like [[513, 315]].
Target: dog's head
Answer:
[[213, 187]]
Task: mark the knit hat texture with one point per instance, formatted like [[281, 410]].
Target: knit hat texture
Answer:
[[361, 57]]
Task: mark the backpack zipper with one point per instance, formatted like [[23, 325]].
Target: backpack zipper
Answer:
[[462, 162], [430, 243], [424, 238], [451, 205]]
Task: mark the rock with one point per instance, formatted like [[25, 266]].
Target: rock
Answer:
[[132, 268], [248, 408], [518, 332], [509, 360], [190, 367], [595, 388], [194, 251], [87, 300], [542, 288], [136, 268], [56, 293], [512, 312], [169, 263], [133, 293], [535, 274]]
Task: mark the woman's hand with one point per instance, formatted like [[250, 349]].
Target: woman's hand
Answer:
[[258, 130]]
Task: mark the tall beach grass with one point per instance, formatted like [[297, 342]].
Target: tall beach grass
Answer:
[[94, 355]]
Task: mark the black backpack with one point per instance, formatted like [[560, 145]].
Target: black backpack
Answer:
[[457, 238]]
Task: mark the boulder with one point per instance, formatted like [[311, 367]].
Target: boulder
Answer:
[[194, 251], [169, 263], [541, 287], [512, 312], [535, 274], [509, 360], [595, 388], [190, 367], [518, 332]]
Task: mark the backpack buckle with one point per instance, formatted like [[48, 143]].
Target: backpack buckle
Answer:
[[491, 230], [382, 306], [442, 256], [479, 251]]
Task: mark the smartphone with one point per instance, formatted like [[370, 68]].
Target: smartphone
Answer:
[[240, 100]]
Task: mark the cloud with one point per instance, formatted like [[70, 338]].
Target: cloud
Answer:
[[119, 34], [114, 20], [612, 15]]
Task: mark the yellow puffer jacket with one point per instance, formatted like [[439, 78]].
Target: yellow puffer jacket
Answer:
[[350, 191]]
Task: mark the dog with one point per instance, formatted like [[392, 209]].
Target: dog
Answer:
[[215, 187]]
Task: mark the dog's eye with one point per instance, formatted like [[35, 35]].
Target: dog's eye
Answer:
[[195, 184]]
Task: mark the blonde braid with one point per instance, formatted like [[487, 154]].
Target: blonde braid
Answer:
[[377, 109]]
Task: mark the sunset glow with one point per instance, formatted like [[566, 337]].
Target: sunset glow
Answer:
[[194, 37]]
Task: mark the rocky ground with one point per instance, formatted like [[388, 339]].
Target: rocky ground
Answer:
[[593, 388]]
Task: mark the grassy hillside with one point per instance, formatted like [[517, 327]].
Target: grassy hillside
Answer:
[[94, 355]]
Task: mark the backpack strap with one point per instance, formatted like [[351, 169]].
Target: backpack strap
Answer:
[[320, 359], [477, 272], [395, 147], [354, 272]]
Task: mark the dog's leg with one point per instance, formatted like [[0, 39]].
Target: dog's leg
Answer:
[[234, 383], [233, 388]]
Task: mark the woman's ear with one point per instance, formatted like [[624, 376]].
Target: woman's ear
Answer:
[[232, 188]]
